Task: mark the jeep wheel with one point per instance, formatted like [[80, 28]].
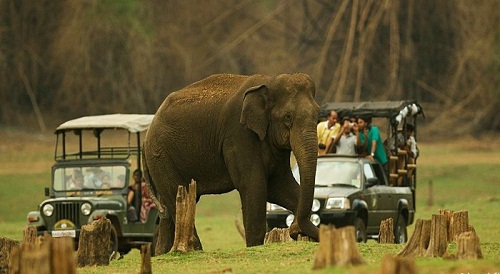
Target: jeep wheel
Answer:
[[360, 230], [400, 230]]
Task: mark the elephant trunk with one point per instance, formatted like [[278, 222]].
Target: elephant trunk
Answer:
[[304, 146]]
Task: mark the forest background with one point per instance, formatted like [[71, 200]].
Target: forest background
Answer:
[[64, 59]]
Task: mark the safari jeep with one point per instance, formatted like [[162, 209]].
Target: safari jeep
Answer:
[[94, 159], [351, 190]]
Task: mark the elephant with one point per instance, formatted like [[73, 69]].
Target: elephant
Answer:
[[231, 132]]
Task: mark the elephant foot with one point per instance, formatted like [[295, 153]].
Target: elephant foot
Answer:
[[294, 231]]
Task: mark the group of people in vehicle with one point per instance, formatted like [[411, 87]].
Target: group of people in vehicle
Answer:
[[358, 136]]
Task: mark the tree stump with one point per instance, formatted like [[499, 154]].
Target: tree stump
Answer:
[[337, 247], [397, 265], [146, 259], [448, 215], [459, 223], [29, 235], [6, 247], [438, 241], [53, 255], [94, 243], [419, 241], [468, 246], [278, 235], [386, 233], [184, 219]]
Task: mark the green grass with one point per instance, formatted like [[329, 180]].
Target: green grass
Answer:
[[457, 184]]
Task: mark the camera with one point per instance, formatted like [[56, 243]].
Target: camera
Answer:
[[321, 146]]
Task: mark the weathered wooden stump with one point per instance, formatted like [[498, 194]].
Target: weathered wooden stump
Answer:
[[29, 235], [448, 215], [459, 223], [419, 241], [468, 246], [146, 259], [53, 255], [337, 247], [184, 219], [6, 247], [94, 243], [386, 233], [397, 265], [439, 237], [278, 235]]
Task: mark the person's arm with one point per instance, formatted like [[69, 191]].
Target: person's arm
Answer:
[[130, 196]]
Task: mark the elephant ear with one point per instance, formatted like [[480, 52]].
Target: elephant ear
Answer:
[[254, 112]]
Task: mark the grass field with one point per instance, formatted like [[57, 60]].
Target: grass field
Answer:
[[464, 175]]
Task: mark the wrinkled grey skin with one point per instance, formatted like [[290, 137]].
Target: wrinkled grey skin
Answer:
[[236, 132]]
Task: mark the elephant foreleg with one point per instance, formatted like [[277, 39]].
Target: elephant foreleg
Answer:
[[254, 217]]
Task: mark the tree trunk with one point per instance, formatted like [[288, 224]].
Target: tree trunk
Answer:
[[52, 255], [6, 247], [184, 219], [419, 241], [468, 246], [448, 215], [278, 235], [397, 265], [386, 233], [29, 235], [459, 223], [438, 240], [146, 259], [94, 243], [337, 247]]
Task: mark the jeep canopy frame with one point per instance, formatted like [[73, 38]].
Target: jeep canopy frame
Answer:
[[133, 123]]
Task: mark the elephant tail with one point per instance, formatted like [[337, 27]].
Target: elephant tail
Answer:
[[151, 188]]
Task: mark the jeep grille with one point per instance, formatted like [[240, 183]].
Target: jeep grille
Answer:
[[68, 211]]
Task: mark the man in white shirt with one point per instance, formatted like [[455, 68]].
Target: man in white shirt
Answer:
[[345, 141]]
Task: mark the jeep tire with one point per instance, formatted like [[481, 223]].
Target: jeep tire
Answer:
[[400, 230]]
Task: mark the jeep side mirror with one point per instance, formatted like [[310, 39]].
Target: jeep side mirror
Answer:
[[47, 192], [372, 182]]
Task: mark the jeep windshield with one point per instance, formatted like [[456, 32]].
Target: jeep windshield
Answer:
[[335, 173], [89, 178]]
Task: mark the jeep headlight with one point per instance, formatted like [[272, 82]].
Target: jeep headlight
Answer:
[[316, 205], [86, 209], [315, 219], [48, 210], [289, 220], [337, 203]]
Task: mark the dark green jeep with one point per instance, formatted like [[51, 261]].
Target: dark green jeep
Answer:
[[354, 190], [91, 178]]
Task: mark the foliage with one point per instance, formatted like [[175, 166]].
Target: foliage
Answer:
[[62, 59]]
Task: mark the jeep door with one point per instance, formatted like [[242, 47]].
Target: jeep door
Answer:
[[378, 198]]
